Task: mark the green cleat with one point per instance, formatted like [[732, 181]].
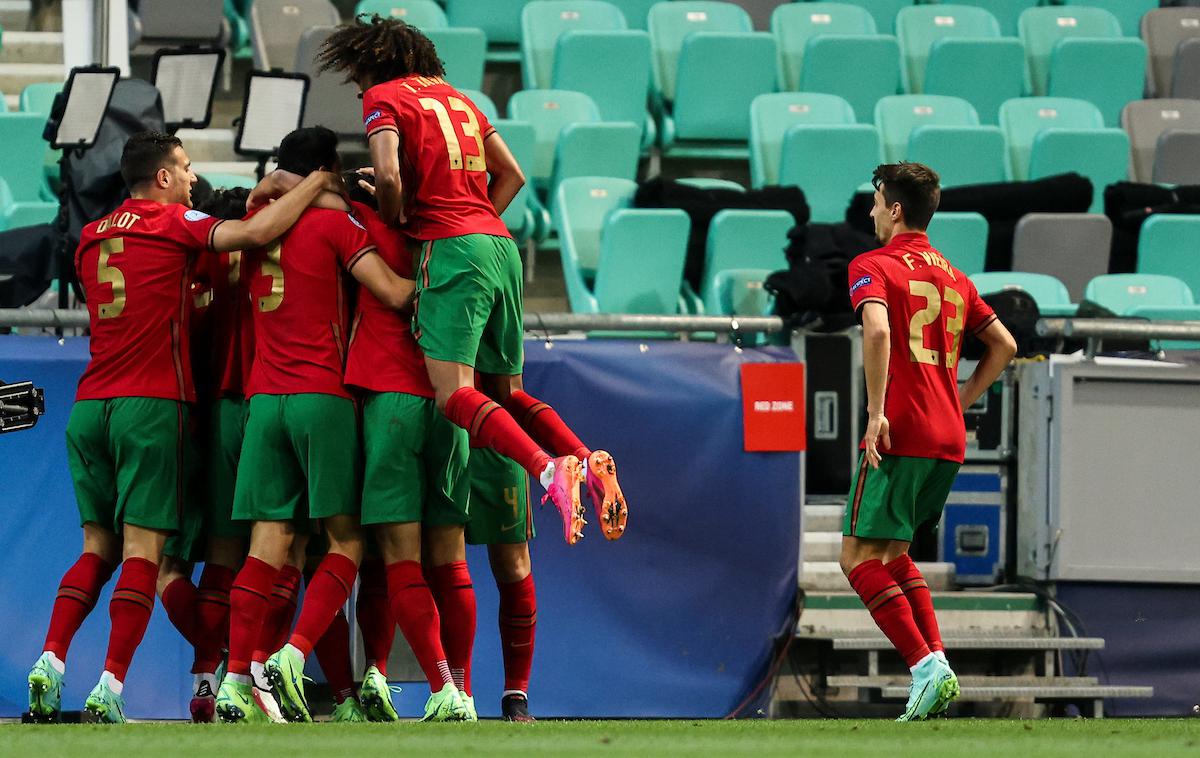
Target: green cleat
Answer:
[[286, 670], [376, 697], [107, 706], [445, 705], [45, 690], [934, 686], [349, 711], [235, 704], [469, 706]]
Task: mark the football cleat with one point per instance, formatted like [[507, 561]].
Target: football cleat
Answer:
[[934, 687], [45, 690], [609, 502], [107, 706], [204, 701], [286, 671], [235, 704], [564, 493], [376, 696], [349, 711], [445, 705], [469, 707], [516, 708], [265, 699]]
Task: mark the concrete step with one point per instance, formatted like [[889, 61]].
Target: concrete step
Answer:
[[32, 47], [823, 518], [989, 642], [903, 680], [841, 614], [14, 77], [827, 576], [14, 15], [208, 145], [821, 546]]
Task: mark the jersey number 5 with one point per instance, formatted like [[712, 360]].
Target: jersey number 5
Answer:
[[928, 315], [470, 129], [107, 273], [271, 268]]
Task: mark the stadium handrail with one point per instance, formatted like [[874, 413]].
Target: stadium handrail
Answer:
[[1096, 330]]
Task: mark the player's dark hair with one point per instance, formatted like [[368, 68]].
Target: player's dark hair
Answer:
[[144, 154], [357, 193], [226, 203], [915, 186], [379, 49], [306, 150]]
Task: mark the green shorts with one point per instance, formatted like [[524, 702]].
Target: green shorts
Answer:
[[469, 303], [890, 502], [300, 459], [223, 437], [500, 512], [128, 459], [415, 462]]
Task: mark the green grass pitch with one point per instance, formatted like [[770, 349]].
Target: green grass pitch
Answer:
[[878, 739]]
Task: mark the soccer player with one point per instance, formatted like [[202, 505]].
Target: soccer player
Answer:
[[914, 307], [300, 456], [468, 314], [126, 434]]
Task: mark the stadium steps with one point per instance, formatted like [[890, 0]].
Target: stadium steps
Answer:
[[836, 615], [1091, 695], [31, 47], [14, 77], [967, 680], [14, 15]]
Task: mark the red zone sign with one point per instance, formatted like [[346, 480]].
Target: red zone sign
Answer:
[[773, 407]]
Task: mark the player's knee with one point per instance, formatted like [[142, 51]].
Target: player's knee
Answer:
[[510, 563]]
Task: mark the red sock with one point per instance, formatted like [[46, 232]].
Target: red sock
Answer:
[[545, 426], [281, 609], [374, 616], [890, 609], [212, 616], [455, 597], [179, 601], [247, 606], [333, 653], [327, 592], [909, 579], [417, 616], [130, 608], [77, 594], [518, 623], [490, 424]]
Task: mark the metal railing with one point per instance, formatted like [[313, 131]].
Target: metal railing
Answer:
[[1096, 330]]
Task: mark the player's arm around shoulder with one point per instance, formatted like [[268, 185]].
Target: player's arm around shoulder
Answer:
[[275, 218]]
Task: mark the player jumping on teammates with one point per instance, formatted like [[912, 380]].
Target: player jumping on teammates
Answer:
[[914, 307]]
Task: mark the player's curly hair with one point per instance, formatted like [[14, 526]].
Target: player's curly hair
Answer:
[[377, 49]]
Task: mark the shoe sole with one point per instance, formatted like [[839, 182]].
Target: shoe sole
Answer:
[[948, 692], [375, 708], [203, 710], [291, 700], [611, 507], [573, 528], [230, 714], [39, 687], [101, 714]]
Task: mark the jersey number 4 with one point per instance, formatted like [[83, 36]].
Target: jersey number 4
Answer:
[[470, 130], [928, 315]]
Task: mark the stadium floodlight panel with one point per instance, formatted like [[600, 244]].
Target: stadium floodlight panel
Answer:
[[186, 80], [87, 92], [274, 106]]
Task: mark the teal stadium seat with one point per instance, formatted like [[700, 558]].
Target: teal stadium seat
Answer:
[[919, 27], [795, 24], [860, 68], [670, 23], [22, 161], [711, 182], [1049, 293], [15, 214], [1102, 155], [961, 154], [500, 20], [1006, 11], [522, 215], [1128, 12], [423, 14], [984, 72], [742, 239], [1169, 313], [742, 292], [1042, 28], [897, 116], [1121, 293], [39, 97], [652, 243], [482, 102], [1106, 72], [1170, 245], [549, 111], [883, 12], [719, 76], [1023, 118], [636, 12], [580, 207], [848, 154], [229, 181], [464, 51], [543, 22], [961, 238], [771, 115], [618, 98], [596, 149]]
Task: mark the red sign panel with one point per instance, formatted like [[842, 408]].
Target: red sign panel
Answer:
[[773, 407]]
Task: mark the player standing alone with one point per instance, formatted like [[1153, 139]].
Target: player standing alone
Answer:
[[914, 307]]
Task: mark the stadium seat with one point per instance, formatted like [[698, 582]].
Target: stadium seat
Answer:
[[596, 149], [882, 11], [331, 101], [580, 208], [550, 111], [739, 67], [1120, 293], [1073, 247], [14, 215], [670, 23], [1128, 12], [1006, 11], [181, 22], [654, 244], [742, 239], [1049, 293], [919, 27], [1042, 28], [22, 159], [482, 102], [1106, 72], [742, 292], [1146, 120], [500, 20], [1177, 158], [276, 27], [711, 182], [521, 216], [1185, 79], [423, 14], [961, 154], [39, 97], [1102, 155], [464, 51], [636, 12], [1168, 313], [961, 238], [861, 69], [771, 115], [849, 154], [1164, 30], [984, 72], [897, 116], [618, 98], [1022, 119], [543, 22], [795, 24], [1169, 244]]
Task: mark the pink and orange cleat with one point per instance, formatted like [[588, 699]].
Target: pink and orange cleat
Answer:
[[564, 493], [606, 494]]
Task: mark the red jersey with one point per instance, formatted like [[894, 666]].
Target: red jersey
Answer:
[[384, 356], [135, 269], [930, 304], [222, 326], [298, 296], [442, 163]]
